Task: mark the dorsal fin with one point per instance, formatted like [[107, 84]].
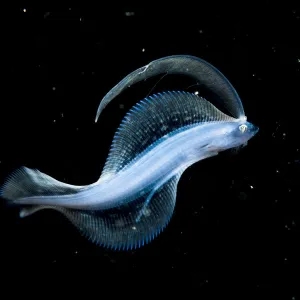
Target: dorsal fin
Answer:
[[203, 72], [153, 118]]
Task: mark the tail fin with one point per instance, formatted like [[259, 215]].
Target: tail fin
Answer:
[[25, 182]]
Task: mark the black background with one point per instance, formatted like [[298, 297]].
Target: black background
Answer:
[[236, 223]]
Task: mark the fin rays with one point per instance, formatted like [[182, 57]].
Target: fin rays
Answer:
[[118, 229], [153, 118]]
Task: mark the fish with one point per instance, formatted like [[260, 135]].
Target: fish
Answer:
[[158, 139]]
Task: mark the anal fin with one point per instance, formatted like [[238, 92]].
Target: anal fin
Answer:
[[29, 210], [150, 195], [130, 225]]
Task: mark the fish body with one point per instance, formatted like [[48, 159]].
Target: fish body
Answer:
[[170, 156], [134, 198]]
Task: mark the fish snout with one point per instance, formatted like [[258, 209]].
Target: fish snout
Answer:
[[252, 129], [255, 130]]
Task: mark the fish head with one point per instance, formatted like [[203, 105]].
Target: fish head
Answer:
[[242, 132], [247, 130], [233, 134]]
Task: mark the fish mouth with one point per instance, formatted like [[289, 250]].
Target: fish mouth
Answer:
[[255, 130]]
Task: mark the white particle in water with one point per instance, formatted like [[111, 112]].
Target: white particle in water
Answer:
[[196, 93], [129, 13]]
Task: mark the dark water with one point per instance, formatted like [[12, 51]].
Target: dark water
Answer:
[[237, 218]]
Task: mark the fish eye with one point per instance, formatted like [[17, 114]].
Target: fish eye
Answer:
[[243, 128]]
